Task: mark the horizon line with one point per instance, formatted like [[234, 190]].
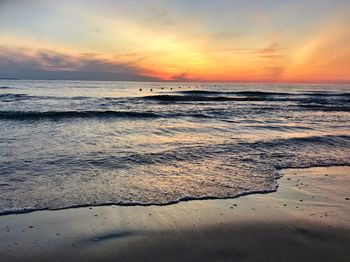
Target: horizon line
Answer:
[[189, 81]]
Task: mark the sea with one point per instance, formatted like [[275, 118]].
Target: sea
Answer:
[[83, 143]]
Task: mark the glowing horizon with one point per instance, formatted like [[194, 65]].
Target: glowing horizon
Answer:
[[227, 41]]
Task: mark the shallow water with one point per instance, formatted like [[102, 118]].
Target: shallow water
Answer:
[[73, 143]]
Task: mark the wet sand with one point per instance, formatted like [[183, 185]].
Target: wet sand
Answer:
[[307, 219]]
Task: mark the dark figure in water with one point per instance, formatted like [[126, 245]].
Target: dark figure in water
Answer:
[[171, 88], [162, 88], [179, 86], [140, 89], [151, 90]]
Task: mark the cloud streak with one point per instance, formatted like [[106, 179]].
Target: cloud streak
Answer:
[[48, 64]]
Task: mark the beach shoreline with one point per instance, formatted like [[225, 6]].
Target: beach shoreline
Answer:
[[307, 219]]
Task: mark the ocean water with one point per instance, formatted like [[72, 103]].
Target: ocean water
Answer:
[[76, 143]]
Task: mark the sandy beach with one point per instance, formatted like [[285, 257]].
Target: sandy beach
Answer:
[[307, 219]]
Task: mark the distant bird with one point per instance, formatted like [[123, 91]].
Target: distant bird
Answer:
[[140, 89]]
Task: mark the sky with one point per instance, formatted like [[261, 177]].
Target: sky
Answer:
[[176, 40]]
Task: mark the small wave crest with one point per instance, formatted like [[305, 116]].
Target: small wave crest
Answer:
[[13, 97], [324, 107], [262, 93], [196, 98], [243, 93], [4, 212], [321, 99], [23, 115]]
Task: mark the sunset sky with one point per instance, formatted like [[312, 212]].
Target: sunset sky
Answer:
[[176, 40]]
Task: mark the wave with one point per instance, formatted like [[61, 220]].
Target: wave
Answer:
[[262, 93], [327, 140], [262, 153], [19, 97], [258, 159], [186, 198], [6, 87], [205, 96], [13, 211], [194, 98], [30, 115], [220, 96], [324, 108], [56, 115], [13, 97], [245, 93], [335, 104]]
